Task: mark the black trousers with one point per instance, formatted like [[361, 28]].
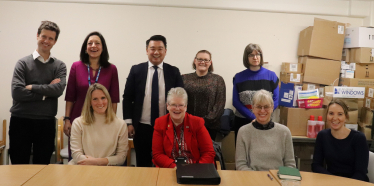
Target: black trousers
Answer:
[[239, 122], [25, 133], [212, 133], [143, 145]]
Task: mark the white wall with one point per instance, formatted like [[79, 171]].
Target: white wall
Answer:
[[222, 27]]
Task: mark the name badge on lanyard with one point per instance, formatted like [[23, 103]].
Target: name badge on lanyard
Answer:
[[89, 75]]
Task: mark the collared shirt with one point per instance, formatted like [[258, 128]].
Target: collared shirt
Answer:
[[146, 112], [36, 55]]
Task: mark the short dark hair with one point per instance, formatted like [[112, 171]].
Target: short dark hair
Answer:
[[49, 25], [104, 57], [210, 56], [156, 38], [248, 50], [340, 103]]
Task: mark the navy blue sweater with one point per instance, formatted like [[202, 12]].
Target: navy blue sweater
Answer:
[[347, 157], [246, 83]]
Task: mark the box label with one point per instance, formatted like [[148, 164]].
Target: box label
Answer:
[[372, 52], [352, 66], [340, 29], [371, 92], [349, 92], [311, 86], [297, 79], [347, 40], [367, 103], [286, 100], [293, 67]]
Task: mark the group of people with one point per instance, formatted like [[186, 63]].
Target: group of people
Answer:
[[165, 120]]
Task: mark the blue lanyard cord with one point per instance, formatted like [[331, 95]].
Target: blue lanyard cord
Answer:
[[89, 77]]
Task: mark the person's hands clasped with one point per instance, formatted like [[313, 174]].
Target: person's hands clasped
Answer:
[[67, 127], [89, 161], [131, 131]]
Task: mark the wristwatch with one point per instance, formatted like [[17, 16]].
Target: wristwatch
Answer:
[[66, 117]]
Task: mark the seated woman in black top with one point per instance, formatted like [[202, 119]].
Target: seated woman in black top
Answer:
[[345, 151]]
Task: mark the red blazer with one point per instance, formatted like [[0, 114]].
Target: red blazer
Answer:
[[196, 137]]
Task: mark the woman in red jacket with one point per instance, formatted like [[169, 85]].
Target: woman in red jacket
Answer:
[[179, 134]]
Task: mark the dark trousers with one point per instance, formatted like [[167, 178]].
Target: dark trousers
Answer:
[[212, 133], [143, 145], [239, 122], [36, 133]]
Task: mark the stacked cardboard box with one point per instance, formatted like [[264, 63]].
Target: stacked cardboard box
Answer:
[[320, 52], [366, 122], [320, 46], [291, 80], [359, 49]]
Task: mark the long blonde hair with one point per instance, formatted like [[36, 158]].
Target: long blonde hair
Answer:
[[87, 111]]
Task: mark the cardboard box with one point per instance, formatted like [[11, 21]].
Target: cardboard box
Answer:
[[296, 118], [291, 67], [320, 71], [346, 55], [288, 94], [352, 126], [366, 116], [353, 117], [360, 104], [364, 71], [355, 82], [356, 37], [287, 77], [325, 40], [310, 86], [362, 55], [369, 91], [366, 129]]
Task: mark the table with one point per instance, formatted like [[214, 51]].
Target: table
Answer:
[[167, 177], [18, 174], [94, 175], [313, 179]]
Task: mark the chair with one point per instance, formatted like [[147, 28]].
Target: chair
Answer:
[[61, 151], [3, 142], [131, 146], [370, 173]]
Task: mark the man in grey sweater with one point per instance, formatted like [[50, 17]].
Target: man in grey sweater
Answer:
[[38, 80]]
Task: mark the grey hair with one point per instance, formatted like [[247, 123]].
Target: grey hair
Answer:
[[177, 92], [262, 96]]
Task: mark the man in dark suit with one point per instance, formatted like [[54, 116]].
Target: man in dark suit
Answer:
[[141, 105]]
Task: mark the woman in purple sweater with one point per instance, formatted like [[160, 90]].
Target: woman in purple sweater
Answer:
[[92, 68]]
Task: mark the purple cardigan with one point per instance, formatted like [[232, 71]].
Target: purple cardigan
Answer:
[[78, 85]]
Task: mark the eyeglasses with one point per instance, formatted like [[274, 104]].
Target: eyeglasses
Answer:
[[200, 60], [254, 55], [174, 106], [266, 107]]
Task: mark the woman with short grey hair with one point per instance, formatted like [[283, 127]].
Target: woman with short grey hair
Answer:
[[180, 135], [263, 144]]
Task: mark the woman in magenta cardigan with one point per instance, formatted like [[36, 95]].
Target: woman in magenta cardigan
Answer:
[[92, 68], [179, 134]]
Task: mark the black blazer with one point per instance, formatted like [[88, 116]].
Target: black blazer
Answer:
[[133, 96]]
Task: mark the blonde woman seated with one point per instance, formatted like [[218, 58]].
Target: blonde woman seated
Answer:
[[263, 144], [180, 135], [98, 137]]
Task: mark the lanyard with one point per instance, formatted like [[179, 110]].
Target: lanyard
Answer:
[[89, 76], [180, 141]]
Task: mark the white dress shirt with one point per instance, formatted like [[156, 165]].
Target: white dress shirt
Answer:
[[146, 112], [36, 55]]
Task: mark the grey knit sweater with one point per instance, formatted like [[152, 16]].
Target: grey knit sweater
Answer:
[[262, 150], [30, 104]]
